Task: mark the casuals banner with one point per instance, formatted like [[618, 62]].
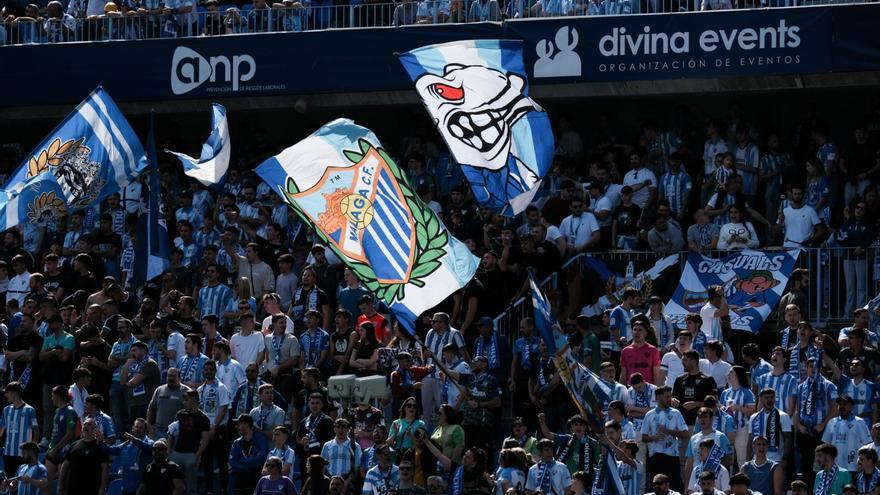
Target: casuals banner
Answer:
[[753, 282]]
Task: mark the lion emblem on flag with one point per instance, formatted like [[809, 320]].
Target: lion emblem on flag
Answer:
[[476, 109]]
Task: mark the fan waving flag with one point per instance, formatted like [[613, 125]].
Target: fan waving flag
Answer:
[[587, 390], [477, 94], [93, 153], [211, 166], [152, 247], [342, 183]]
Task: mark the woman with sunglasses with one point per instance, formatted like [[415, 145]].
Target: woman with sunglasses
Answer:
[[449, 435], [402, 429], [273, 483]]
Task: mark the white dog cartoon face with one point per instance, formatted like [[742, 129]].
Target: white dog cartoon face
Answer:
[[474, 108]]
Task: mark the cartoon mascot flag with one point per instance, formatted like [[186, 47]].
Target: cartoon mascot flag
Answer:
[[477, 94], [343, 184]]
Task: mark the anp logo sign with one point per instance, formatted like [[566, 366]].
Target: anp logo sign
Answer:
[[189, 70]]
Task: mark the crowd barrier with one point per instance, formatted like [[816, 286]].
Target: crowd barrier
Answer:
[[295, 16], [829, 268]]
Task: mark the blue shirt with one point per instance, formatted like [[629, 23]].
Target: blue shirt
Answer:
[[288, 456], [312, 345], [619, 320], [133, 456], [191, 368], [214, 300], [18, 423], [865, 394], [759, 369], [826, 394], [119, 351], [676, 188], [526, 350], [785, 386], [342, 458], [37, 472], [740, 397], [377, 482]]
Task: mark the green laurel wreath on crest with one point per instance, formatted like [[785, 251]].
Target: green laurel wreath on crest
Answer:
[[430, 237]]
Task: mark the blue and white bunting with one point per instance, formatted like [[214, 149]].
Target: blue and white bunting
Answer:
[[342, 183], [211, 166], [477, 94], [753, 283], [93, 153]]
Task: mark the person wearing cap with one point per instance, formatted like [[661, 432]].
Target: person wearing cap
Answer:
[[520, 435], [495, 349], [859, 347], [246, 456], [847, 432], [343, 455], [309, 297], [661, 326], [273, 482], [481, 406], [406, 380], [434, 388], [162, 475], [816, 406], [56, 358], [640, 356], [831, 477], [140, 377], [580, 228], [548, 475], [856, 386], [384, 475]]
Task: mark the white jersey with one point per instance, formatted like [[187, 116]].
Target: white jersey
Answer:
[[213, 396], [847, 435]]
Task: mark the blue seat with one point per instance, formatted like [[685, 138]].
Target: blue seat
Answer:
[[115, 487]]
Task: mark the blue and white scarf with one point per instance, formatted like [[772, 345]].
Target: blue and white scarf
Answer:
[[25, 375], [299, 310], [544, 475], [794, 362], [188, 368], [276, 346], [134, 369], [867, 484], [784, 339], [491, 353], [458, 481], [773, 431], [700, 340], [824, 481], [809, 409]]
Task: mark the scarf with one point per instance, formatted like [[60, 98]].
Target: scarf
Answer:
[[246, 400], [542, 378], [312, 303], [785, 338], [276, 346], [134, 369], [25, 375], [772, 431], [826, 478], [188, 368], [313, 346], [662, 327], [458, 481], [527, 354], [700, 342], [545, 480], [599, 485], [809, 411], [444, 392], [491, 353], [867, 485], [794, 362], [713, 461], [705, 236], [585, 462], [311, 425]]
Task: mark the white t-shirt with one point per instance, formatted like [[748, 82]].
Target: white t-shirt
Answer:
[[634, 179], [799, 225], [578, 230], [847, 436], [559, 476], [213, 396], [246, 349], [603, 204], [711, 323], [785, 426], [446, 386], [671, 364], [231, 374], [717, 370], [722, 480], [176, 342]]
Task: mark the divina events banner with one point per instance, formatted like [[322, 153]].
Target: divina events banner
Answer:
[[753, 282], [584, 49]]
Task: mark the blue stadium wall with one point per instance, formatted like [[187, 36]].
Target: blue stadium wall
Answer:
[[575, 53]]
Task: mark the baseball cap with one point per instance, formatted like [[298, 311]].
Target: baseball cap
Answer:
[[486, 320]]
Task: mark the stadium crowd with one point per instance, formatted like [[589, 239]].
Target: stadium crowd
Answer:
[[77, 20], [214, 379]]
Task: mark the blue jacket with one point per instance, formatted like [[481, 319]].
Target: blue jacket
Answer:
[[252, 460], [133, 457]]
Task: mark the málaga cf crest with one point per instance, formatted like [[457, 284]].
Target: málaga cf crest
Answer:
[[366, 217]]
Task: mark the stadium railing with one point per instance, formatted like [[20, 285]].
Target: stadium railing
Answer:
[[290, 16], [826, 294]]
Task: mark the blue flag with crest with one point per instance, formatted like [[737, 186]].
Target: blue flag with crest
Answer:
[[152, 247], [93, 153], [211, 166], [477, 94], [341, 182]]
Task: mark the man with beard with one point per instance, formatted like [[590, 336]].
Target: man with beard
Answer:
[[162, 475], [31, 477], [85, 470], [309, 297]]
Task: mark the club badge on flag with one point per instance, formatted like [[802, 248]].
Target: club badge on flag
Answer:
[[753, 283], [477, 94], [341, 182], [211, 166], [93, 153]]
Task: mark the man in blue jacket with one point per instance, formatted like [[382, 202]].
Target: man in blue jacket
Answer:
[[246, 457]]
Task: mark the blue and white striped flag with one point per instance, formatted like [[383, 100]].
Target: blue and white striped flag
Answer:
[[211, 166], [342, 183], [608, 482], [477, 94], [152, 248], [93, 153], [753, 283], [587, 390]]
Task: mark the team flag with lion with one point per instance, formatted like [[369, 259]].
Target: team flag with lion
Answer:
[[343, 184], [93, 153]]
